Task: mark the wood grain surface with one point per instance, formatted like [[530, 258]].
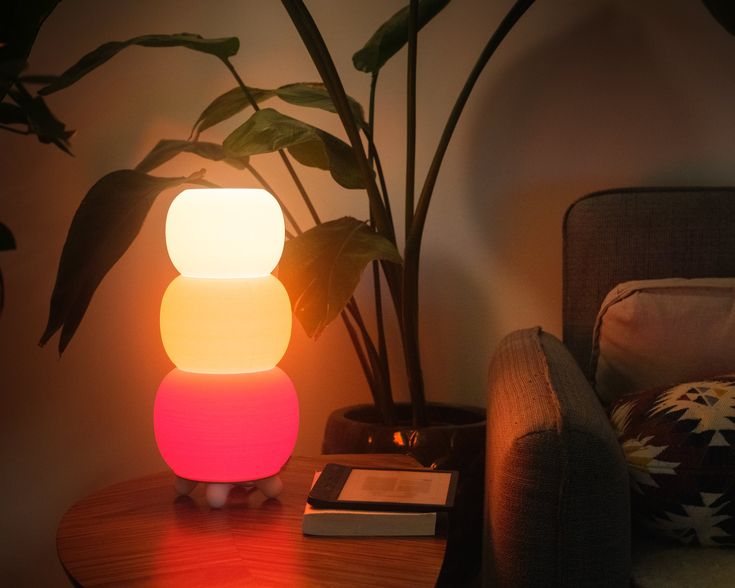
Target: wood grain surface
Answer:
[[139, 533]]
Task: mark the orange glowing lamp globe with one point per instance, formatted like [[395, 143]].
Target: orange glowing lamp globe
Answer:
[[211, 326], [226, 414]]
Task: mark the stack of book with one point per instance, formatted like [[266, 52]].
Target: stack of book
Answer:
[[345, 523]]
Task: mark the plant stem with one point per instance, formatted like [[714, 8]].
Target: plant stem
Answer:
[[316, 47], [413, 239], [382, 346], [314, 43], [377, 290], [383, 187], [372, 149], [383, 400], [270, 189], [411, 110], [12, 130], [514, 14], [281, 153], [360, 355], [371, 369], [371, 118]]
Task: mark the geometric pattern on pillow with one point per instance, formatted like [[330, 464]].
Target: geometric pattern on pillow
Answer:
[[679, 445]]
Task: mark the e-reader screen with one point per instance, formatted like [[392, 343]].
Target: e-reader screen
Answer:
[[402, 486]]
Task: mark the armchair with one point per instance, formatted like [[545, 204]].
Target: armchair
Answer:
[[557, 509]]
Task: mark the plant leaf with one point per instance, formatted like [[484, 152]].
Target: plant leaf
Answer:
[[40, 119], [7, 242], [10, 69], [309, 94], [392, 35], [19, 26], [225, 106], [322, 267], [11, 114], [167, 149], [105, 224], [268, 130], [316, 95], [222, 48], [724, 13], [39, 79]]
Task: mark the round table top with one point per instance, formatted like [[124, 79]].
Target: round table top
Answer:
[[139, 532]]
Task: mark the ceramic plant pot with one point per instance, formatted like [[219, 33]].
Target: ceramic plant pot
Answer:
[[456, 440]]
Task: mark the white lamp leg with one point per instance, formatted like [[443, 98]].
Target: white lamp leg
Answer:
[[217, 494], [271, 486], [184, 486]]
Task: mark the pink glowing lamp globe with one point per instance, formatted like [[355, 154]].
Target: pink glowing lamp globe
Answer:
[[226, 414]]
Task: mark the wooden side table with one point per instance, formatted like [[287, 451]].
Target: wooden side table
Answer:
[[139, 533]]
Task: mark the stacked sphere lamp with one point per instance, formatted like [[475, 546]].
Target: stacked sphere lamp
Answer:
[[226, 414]]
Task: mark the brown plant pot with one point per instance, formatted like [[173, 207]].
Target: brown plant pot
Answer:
[[455, 440]]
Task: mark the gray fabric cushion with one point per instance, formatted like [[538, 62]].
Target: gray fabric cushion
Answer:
[[640, 233], [557, 504], [657, 332]]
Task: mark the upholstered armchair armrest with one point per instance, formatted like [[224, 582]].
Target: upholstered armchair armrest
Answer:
[[557, 507]]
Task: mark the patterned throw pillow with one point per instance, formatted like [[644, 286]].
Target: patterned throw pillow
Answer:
[[679, 444]]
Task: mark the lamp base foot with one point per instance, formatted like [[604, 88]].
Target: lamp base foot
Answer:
[[184, 486], [270, 486], [217, 493]]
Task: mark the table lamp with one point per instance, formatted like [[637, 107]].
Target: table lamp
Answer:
[[225, 414]]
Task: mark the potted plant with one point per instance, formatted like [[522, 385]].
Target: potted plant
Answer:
[[321, 266]]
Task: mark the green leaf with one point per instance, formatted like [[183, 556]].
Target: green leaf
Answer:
[[222, 48], [9, 72], [40, 119], [38, 79], [11, 114], [392, 35], [105, 224], [7, 241], [167, 149], [316, 95], [308, 94], [724, 13], [322, 267], [19, 26], [268, 130], [226, 106]]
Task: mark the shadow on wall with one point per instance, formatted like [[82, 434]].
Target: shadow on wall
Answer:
[[620, 98], [458, 323]]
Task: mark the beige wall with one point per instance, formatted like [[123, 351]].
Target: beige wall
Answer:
[[585, 95]]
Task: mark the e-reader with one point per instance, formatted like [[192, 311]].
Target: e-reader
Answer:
[[388, 489]]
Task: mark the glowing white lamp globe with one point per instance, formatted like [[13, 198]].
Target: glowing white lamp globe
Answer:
[[225, 232]]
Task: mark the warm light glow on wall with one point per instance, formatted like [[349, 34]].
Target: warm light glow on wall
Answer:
[[226, 428], [224, 233], [225, 326]]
